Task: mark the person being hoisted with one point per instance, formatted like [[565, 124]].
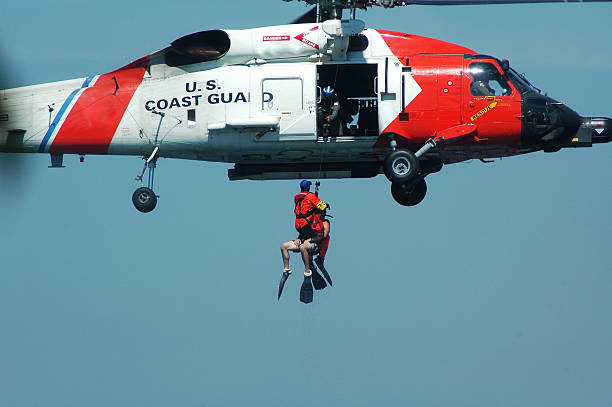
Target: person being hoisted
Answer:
[[323, 246], [322, 241], [308, 223]]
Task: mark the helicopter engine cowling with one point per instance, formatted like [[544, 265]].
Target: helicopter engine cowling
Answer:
[[276, 42], [259, 45], [246, 46]]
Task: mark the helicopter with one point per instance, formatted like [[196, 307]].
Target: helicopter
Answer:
[[253, 98]]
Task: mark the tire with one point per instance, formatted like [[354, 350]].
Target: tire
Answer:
[[409, 194], [144, 199], [401, 166]]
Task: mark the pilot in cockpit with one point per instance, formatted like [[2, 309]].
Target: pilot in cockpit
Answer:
[[481, 87]]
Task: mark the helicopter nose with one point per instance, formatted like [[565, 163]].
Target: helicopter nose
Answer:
[[547, 123]]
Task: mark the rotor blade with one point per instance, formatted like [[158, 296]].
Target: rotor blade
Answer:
[[363, 4], [395, 3], [309, 17]]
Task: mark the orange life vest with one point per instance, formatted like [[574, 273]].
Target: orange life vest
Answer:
[[307, 219]]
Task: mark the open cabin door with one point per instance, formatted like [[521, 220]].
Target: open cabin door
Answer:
[[354, 86], [287, 93]]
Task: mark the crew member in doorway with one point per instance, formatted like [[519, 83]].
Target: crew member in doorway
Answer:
[[307, 211], [328, 113]]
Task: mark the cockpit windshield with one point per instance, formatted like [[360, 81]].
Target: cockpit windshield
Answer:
[[521, 83], [487, 81]]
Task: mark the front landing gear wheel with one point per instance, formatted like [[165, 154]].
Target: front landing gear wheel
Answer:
[[144, 199], [409, 194], [401, 166]]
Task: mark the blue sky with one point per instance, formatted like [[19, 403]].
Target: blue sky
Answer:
[[494, 291]]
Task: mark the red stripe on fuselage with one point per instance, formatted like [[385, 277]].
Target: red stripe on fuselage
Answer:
[[91, 124]]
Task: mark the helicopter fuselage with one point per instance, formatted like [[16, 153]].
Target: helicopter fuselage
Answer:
[[253, 98]]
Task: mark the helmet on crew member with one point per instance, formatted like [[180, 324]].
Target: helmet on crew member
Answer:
[[327, 92], [305, 185]]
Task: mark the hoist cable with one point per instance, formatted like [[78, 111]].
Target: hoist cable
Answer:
[[323, 152]]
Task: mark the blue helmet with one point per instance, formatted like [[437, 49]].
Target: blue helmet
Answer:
[[305, 185], [327, 92]]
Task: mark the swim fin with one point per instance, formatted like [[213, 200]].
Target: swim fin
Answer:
[[319, 262], [284, 277], [317, 281], [306, 292]]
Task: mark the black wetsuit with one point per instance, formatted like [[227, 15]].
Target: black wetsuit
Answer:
[[329, 107]]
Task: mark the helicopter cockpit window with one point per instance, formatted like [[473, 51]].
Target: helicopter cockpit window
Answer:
[[487, 81], [521, 83]]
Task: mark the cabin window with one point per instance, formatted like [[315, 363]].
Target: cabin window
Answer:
[[487, 81], [282, 95], [191, 117]]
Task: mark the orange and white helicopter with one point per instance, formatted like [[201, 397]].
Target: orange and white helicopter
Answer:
[[262, 98]]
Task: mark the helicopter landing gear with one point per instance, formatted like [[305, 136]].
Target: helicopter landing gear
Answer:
[[409, 194], [407, 170], [144, 199], [401, 166], [412, 192]]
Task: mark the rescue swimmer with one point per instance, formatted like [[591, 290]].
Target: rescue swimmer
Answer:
[[309, 211]]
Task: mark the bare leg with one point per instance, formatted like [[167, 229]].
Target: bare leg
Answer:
[[285, 247], [306, 258], [285, 255]]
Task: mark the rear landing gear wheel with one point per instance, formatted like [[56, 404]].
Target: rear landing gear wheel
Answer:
[[409, 194], [144, 199], [401, 166]]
